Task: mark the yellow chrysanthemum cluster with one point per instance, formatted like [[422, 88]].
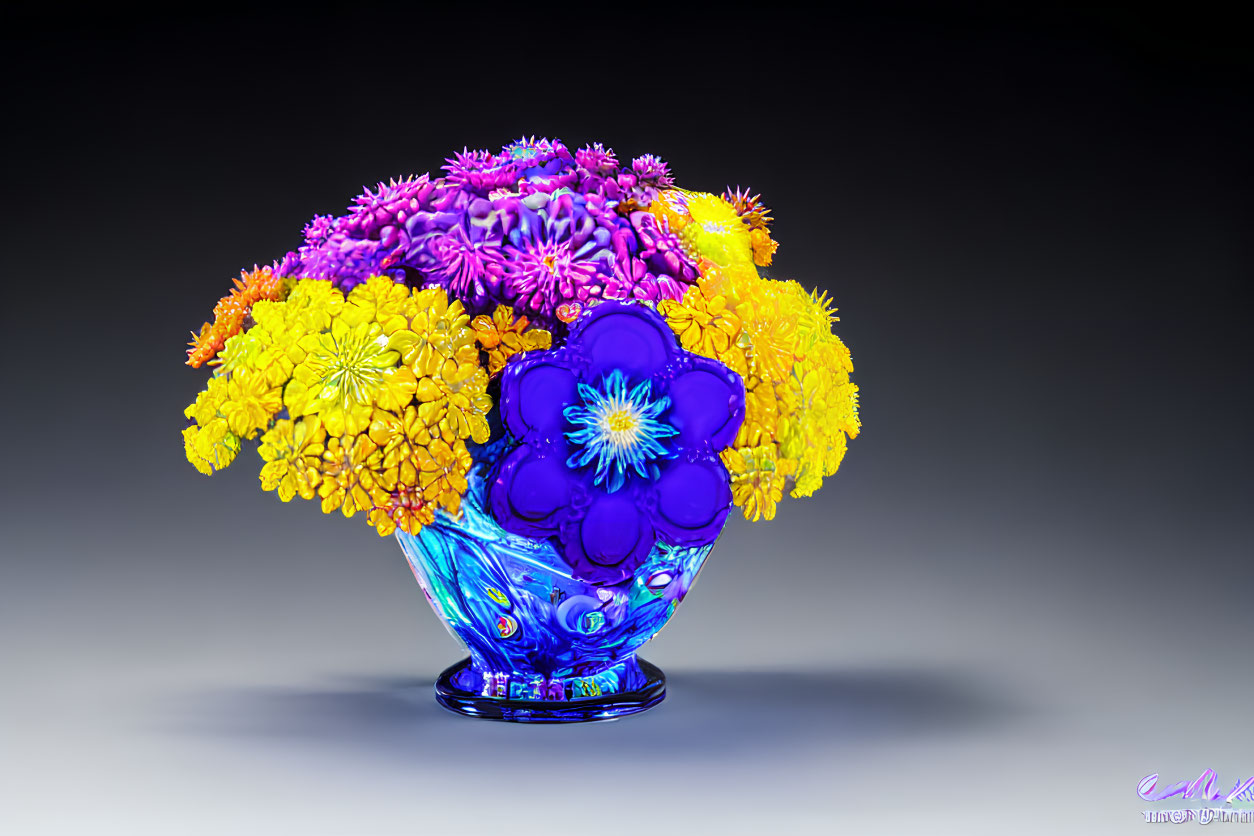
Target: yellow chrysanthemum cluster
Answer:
[[381, 387], [800, 406]]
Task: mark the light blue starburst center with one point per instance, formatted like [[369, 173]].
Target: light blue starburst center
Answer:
[[620, 430]]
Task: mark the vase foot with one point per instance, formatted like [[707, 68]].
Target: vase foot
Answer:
[[586, 709]]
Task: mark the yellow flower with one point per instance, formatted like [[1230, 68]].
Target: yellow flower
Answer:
[[281, 326], [808, 481], [239, 352], [346, 373], [250, 402], [821, 416], [443, 473], [379, 299], [501, 337], [438, 331], [815, 324], [761, 414], [757, 480], [834, 455], [252, 350], [845, 408], [403, 508], [310, 307], [669, 206], [208, 401], [348, 475], [716, 231], [455, 399], [704, 325], [363, 435], [293, 451], [210, 447], [792, 438], [398, 438], [189, 450], [768, 334], [800, 406]]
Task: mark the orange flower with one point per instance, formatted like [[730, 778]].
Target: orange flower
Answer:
[[501, 336], [229, 313], [764, 247]]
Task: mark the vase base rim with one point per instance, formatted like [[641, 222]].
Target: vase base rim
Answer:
[[584, 710]]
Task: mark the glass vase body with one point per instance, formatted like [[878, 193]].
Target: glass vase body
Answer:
[[544, 646]]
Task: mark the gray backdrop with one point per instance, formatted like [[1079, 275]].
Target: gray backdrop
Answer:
[[1026, 589]]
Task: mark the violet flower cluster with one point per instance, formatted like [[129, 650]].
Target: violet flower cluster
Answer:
[[535, 227]]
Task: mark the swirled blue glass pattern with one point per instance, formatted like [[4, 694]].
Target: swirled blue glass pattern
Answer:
[[543, 645]]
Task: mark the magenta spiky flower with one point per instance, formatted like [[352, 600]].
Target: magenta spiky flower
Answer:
[[382, 214], [597, 168], [650, 262], [652, 170], [640, 185], [480, 171], [535, 227], [557, 250], [288, 266], [529, 151], [468, 270], [319, 229], [347, 262], [542, 272], [597, 159]]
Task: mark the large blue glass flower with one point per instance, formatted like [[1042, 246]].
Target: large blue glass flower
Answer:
[[615, 440]]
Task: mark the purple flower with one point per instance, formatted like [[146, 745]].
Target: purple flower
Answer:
[[597, 168], [528, 152], [543, 166], [648, 174], [469, 270], [319, 229], [480, 171], [650, 262], [381, 215], [616, 438], [652, 170], [288, 267], [373, 238], [534, 226], [557, 249], [596, 159], [347, 262], [548, 179]]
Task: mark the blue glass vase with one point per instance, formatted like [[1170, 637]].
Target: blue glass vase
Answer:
[[545, 647]]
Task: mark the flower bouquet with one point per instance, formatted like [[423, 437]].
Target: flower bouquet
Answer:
[[550, 376]]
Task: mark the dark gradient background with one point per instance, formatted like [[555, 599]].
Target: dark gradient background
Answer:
[[1028, 586]]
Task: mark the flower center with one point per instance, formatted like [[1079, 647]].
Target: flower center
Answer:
[[351, 373], [621, 421], [619, 429]]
